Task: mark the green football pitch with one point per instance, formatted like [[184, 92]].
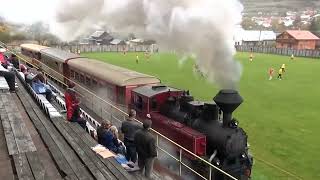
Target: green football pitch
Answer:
[[281, 118]]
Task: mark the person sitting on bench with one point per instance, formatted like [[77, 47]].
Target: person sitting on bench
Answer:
[[110, 140], [38, 84], [10, 78], [76, 117]]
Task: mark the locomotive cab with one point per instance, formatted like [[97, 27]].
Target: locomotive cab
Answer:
[[148, 99], [156, 100]]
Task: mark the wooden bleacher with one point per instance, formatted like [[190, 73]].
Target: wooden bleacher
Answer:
[[70, 150], [18, 140]]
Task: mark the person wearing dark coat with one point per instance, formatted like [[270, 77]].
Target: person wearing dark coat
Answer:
[[14, 61], [10, 78], [146, 148], [105, 125], [129, 128]]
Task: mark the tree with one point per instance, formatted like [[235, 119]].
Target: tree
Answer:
[[52, 39], [248, 24], [40, 33], [131, 36], [315, 26], [5, 37]]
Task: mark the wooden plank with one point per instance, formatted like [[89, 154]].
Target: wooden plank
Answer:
[[81, 153], [92, 155], [10, 140], [36, 166], [62, 165], [111, 163], [21, 134], [22, 167], [76, 165]]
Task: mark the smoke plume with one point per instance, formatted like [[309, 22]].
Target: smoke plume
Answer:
[[203, 28]]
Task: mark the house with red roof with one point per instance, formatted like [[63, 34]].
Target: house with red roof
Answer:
[[297, 39]]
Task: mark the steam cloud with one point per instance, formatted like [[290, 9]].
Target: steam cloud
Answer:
[[203, 28]]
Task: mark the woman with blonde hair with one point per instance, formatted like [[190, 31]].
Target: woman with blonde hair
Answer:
[[110, 140]]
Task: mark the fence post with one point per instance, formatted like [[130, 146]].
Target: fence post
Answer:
[[210, 172], [180, 162]]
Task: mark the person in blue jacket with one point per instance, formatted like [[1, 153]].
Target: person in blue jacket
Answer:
[[110, 141]]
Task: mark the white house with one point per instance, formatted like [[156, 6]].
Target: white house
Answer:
[[253, 38]]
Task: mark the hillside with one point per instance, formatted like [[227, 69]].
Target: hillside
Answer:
[[278, 6]]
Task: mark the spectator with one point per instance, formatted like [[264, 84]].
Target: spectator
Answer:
[[146, 148], [38, 84], [71, 100], [3, 60], [14, 61], [10, 78], [76, 117], [129, 128], [101, 129], [110, 141], [120, 147]]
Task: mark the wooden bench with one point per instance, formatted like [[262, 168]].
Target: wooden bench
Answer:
[[70, 144], [89, 142], [19, 142], [68, 163], [17, 136]]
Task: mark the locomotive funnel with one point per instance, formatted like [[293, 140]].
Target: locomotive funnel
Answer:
[[228, 100]]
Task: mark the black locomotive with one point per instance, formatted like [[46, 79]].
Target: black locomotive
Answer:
[[226, 141]]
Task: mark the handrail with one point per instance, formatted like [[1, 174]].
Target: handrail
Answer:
[[119, 110]]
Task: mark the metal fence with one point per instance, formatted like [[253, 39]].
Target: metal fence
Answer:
[[173, 151], [280, 51]]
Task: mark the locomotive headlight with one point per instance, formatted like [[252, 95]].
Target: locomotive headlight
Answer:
[[243, 155]]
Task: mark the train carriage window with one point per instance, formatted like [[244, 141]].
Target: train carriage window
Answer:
[[72, 74], [121, 95], [138, 102], [153, 104], [88, 81], [77, 76], [95, 83], [81, 78]]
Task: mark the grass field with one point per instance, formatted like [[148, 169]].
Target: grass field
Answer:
[[280, 117]]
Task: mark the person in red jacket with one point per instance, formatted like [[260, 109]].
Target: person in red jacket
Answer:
[[3, 60], [72, 106], [71, 100]]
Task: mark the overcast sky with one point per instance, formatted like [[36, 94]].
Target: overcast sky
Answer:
[[28, 11]]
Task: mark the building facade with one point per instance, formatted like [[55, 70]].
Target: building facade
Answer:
[[296, 39]]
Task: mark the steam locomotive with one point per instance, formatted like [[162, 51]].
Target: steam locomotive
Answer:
[[204, 128]]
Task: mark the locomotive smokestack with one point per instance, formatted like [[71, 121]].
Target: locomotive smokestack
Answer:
[[228, 100]]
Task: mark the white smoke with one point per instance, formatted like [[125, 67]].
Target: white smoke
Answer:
[[203, 28]]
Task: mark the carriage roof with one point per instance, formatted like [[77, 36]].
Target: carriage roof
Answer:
[[33, 47], [59, 54], [112, 74]]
